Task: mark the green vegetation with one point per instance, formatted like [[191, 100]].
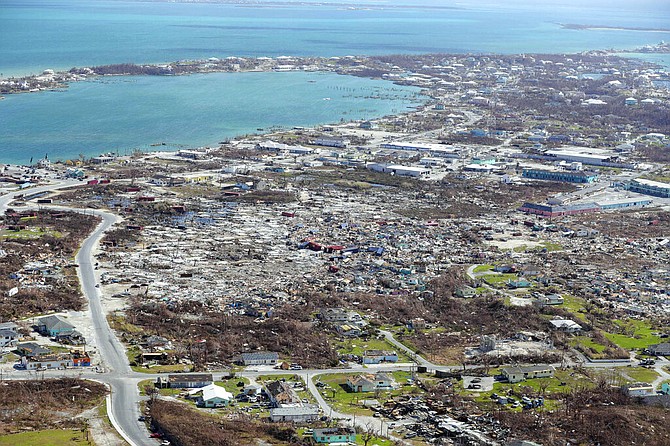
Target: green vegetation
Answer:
[[102, 413], [231, 384], [635, 334], [587, 342], [377, 441], [498, 280], [552, 389], [574, 305], [358, 347], [482, 268], [286, 376], [339, 399], [30, 233], [551, 246], [162, 368], [641, 374], [54, 437], [142, 384], [117, 321]]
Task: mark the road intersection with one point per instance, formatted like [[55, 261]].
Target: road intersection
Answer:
[[124, 399]]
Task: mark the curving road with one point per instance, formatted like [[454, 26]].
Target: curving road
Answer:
[[123, 403], [123, 407]]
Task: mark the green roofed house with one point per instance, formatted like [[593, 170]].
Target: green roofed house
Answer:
[[334, 435]]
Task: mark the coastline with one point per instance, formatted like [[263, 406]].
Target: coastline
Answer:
[[50, 80], [371, 67], [577, 26]]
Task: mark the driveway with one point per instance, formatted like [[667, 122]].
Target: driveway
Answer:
[[485, 383]]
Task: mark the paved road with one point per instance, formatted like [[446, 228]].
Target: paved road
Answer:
[[124, 393], [59, 184], [125, 398]]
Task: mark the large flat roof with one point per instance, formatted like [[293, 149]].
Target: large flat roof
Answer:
[[652, 183]]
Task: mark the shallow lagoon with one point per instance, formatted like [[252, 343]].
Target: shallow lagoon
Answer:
[[124, 113]]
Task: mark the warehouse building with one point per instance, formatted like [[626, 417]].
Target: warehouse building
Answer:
[[561, 175], [649, 187], [546, 210]]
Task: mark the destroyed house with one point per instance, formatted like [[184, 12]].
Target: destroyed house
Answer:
[[31, 349], [281, 394], [47, 361], [339, 315], [8, 338]]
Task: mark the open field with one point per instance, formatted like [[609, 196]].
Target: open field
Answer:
[[53, 437]]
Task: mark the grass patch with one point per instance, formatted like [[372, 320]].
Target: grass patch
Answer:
[[117, 321], [638, 334], [587, 342], [641, 374], [574, 305], [482, 268], [358, 347], [231, 384], [498, 280], [54, 437], [102, 413], [552, 389], [551, 246], [30, 233], [349, 402]]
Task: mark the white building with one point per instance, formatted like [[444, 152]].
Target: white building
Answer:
[[518, 374], [566, 325], [639, 389], [260, 358], [212, 396], [296, 414]]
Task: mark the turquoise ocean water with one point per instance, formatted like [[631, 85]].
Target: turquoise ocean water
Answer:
[[122, 113], [59, 34]]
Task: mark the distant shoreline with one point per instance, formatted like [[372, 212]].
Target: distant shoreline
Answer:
[[612, 28]]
